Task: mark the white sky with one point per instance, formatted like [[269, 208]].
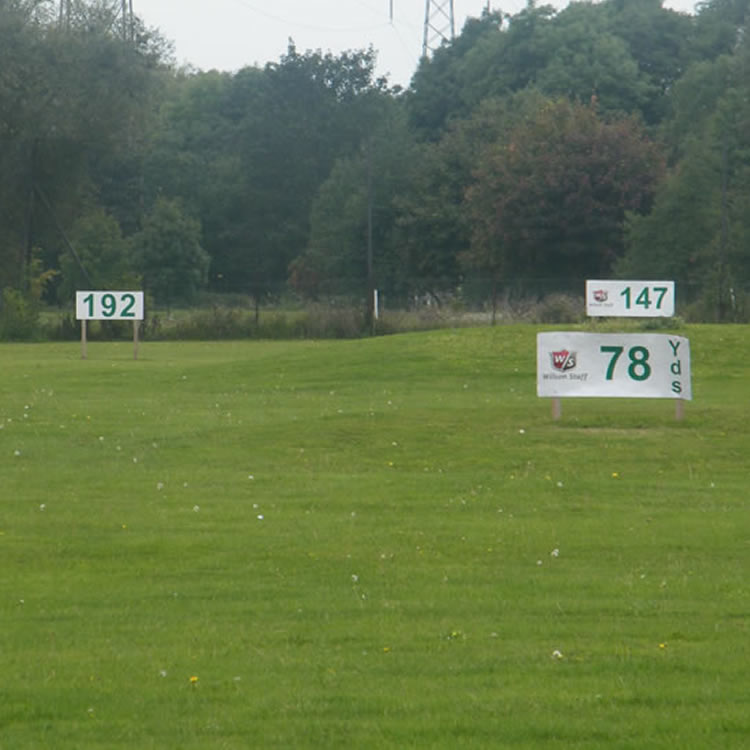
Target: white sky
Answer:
[[230, 34]]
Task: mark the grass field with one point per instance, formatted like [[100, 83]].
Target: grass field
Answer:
[[384, 543]]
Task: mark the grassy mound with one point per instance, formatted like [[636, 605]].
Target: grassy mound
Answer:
[[381, 543]]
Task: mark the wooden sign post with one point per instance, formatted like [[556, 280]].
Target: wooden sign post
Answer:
[[613, 365], [617, 364], [109, 306], [83, 339]]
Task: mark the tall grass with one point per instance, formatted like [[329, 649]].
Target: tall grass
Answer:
[[381, 543]]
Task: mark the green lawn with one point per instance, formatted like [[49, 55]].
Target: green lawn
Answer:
[[384, 543]]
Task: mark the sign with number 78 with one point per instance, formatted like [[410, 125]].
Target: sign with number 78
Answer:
[[634, 365]]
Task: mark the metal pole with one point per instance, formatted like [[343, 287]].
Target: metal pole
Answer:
[[370, 270]]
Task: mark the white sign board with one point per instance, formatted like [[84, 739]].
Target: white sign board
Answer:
[[109, 305], [630, 365], [630, 299]]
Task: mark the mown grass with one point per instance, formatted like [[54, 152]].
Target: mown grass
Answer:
[[383, 543]]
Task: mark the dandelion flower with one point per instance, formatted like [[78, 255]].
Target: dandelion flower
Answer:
[[193, 680]]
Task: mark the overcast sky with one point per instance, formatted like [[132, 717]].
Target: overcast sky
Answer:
[[230, 34]]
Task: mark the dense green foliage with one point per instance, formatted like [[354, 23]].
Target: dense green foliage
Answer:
[[535, 150], [560, 206], [384, 543]]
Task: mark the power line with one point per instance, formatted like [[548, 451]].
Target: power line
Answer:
[[308, 26]]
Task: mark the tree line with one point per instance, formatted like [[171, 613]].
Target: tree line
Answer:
[[535, 150]]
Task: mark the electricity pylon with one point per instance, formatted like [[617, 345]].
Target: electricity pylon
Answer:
[[64, 13], [126, 17], [439, 25], [122, 16]]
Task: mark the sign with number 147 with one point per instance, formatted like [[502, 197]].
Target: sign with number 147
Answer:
[[630, 299]]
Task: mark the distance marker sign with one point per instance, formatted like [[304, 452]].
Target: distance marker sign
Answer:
[[109, 305], [630, 299], [617, 365]]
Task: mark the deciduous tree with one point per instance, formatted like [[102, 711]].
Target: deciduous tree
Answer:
[[168, 253], [550, 200]]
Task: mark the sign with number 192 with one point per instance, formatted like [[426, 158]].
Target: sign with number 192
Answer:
[[109, 305], [631, 365], [630, 299]]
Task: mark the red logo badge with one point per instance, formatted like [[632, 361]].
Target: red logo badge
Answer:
[[563, 360]]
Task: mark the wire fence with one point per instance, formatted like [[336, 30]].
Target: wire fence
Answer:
[[508, 298], [281, 312]]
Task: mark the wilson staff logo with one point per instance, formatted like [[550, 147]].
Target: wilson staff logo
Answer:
[[601, 295], [563, 360]]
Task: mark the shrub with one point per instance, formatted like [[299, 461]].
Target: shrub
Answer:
[[64, 328], [214, 324], [19, 310], [19, 316], [706, 309], [559, 308], [323, 322]]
